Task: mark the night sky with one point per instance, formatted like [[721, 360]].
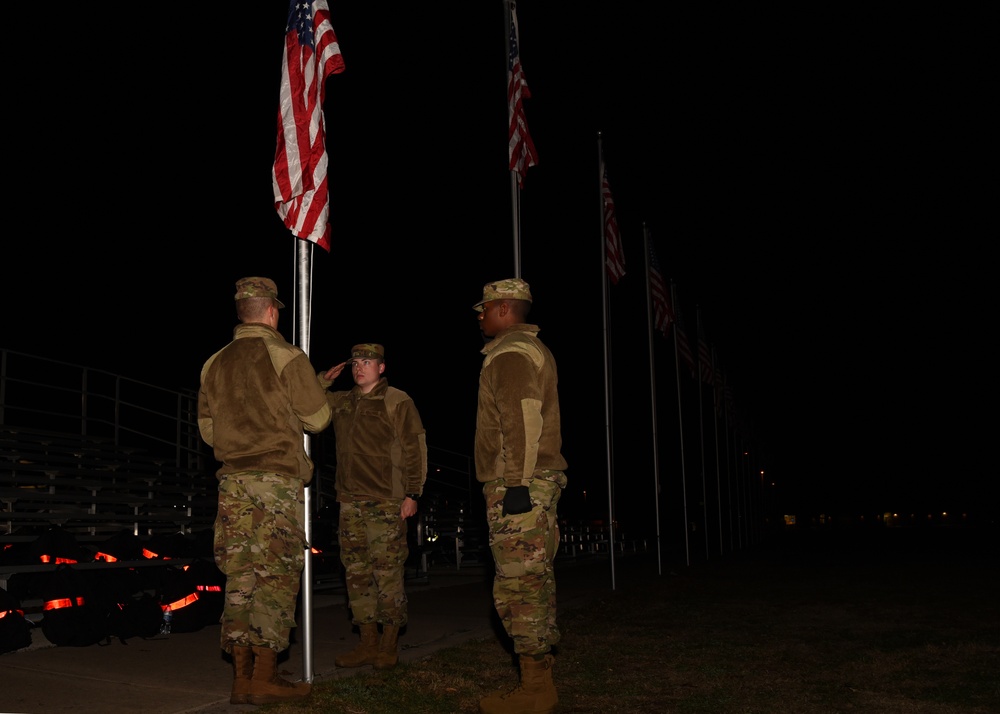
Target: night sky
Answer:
[[814, 185]]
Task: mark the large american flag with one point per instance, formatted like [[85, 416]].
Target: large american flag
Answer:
[[615, 260], [519, 144], [663, 315], [299, 175]]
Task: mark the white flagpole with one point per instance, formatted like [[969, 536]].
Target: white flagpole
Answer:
[[515, 194], [680, 427], [729, 462], [607, 358], [515, 190], [301, 337], [652, 392], [701, 433], [741, 492], [716, 399]]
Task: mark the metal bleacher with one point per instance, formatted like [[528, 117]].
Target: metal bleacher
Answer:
[[92, 487], [97, 454]]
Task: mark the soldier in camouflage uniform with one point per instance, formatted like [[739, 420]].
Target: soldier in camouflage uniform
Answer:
[[520, 464], [258, 396], [381, 470]]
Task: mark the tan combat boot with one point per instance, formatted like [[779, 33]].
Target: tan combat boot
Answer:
[[388, 648], [535, 695], [243, 673], [365, 652], [266, 686]]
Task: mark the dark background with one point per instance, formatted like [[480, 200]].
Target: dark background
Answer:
[[814, 183]]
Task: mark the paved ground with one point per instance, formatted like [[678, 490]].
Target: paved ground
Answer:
[[187, 673]]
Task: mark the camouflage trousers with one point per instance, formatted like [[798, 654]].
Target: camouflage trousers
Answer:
[[373, 551], [260, 546], [524, 547]]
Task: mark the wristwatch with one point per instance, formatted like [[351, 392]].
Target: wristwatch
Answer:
[[414, 496]]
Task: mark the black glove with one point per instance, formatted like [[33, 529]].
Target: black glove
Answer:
[[516, 500]]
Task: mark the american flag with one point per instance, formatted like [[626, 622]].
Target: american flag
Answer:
[[520, 146], [663, 315], [299, 175], [616, 257]]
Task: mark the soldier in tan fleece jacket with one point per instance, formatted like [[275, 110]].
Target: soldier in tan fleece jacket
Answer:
[[381, 470], [258, 396], [518, 455]]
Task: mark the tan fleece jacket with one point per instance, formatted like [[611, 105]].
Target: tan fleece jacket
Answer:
[[381, 443], [518, 431], [258, 396]]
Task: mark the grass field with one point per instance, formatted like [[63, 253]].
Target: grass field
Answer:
[[886, 621]]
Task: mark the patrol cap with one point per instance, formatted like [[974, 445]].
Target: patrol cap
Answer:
[[509, 289], [368, 350], [257, 287]]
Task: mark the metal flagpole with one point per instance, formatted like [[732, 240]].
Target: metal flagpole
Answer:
[[516, 222], [701, 432], [607, 359], [301, 337], [652, 392], [680, 424], [729, 460], [515, 191], [716, 402]]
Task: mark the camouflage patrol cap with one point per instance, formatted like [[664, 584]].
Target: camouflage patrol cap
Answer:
[[509, 289], [368, 350], [257, 287]]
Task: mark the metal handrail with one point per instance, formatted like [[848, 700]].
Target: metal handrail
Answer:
[[59, 396]]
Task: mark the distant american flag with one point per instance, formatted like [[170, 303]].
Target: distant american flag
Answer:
[[520, 146], [299, 175], [612, 238], [662, 314]]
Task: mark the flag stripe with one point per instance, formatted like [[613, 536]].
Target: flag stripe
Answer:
[[299, 175], [615, 260], [520, 147]]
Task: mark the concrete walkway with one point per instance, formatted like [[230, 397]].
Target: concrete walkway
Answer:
[[187, 672]]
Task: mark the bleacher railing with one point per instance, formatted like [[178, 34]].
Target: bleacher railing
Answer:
[[54, 395], [64, 397]]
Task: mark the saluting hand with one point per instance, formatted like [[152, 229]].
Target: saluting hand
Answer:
[[332, 373]]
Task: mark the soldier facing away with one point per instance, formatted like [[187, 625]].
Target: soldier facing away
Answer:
[[258, 396]]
